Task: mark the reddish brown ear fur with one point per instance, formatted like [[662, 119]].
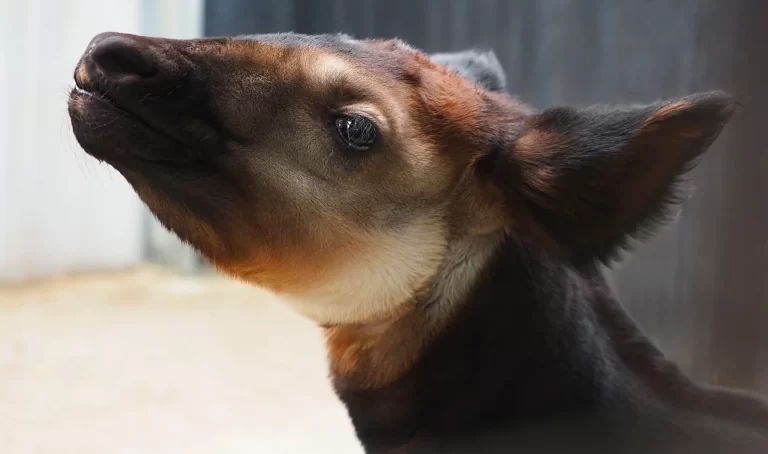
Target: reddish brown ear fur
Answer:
[[593, 179]]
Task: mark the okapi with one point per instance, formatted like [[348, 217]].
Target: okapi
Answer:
[[447, 238]]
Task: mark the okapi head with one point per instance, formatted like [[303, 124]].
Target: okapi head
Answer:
[[368, 183]]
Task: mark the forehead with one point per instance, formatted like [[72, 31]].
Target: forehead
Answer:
[[393, 57]]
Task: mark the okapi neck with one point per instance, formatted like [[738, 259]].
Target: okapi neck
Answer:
[[525, 344]]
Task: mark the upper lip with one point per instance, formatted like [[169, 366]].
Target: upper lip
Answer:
[[87, 82], [83, 77]]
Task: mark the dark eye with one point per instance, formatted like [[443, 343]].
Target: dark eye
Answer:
[[356, 131]]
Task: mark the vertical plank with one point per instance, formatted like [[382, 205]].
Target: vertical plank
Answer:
[[60, 210]]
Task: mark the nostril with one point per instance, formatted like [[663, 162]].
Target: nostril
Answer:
[[123, 56]]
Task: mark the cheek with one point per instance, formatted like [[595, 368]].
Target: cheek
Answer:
[[293, 234], [290, 256], [276, 239]]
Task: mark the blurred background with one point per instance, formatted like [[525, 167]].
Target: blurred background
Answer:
[[116, 338]]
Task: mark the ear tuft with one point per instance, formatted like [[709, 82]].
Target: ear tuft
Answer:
[[694, 118], [597, 178], [482, 68]]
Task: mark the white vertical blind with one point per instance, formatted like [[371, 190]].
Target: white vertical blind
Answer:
[[60, 210]]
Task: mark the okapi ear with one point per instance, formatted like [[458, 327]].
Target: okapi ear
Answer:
[[594, 179], [482, 68]]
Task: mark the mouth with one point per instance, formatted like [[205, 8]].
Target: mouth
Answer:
[[104, 130], [89, 93], [85, 102], [112, 133], [83, 99], [123, 140]]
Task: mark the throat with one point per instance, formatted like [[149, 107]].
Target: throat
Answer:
[[374, 354]]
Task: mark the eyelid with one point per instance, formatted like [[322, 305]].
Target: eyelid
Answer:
[[370, 112]]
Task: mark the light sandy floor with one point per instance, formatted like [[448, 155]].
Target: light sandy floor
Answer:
[[152, 363]]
